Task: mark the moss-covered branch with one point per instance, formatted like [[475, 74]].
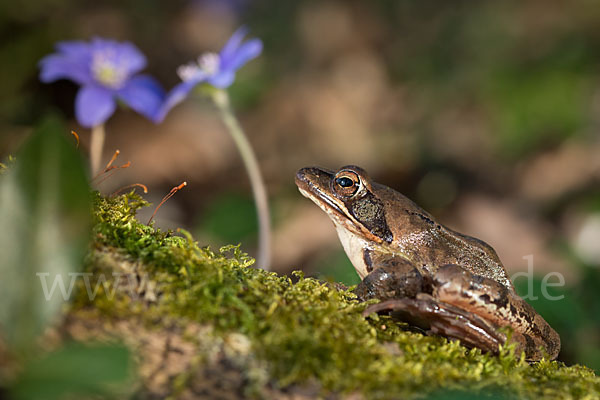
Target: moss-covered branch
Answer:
[[211, 316]]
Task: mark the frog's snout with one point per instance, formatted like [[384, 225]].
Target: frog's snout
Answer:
[[301, 176], [310, 177]]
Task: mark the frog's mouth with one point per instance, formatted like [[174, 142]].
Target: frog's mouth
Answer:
[[314, 184]]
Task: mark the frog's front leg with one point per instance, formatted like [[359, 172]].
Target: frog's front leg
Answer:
[[390, 277]]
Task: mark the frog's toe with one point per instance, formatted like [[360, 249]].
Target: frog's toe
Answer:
[[445, 320]]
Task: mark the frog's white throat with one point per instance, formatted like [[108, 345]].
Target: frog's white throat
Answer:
[[354, 247]]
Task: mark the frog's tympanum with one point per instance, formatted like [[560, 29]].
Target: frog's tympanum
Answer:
[[435, 278]]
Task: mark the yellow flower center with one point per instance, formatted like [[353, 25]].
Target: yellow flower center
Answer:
[[106, 71]]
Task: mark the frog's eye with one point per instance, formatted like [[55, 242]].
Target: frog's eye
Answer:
[[346, 183]]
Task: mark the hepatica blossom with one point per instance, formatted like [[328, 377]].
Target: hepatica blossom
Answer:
[[106, 70], [216, 69]]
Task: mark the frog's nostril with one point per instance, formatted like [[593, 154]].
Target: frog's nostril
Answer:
[[301, 175]]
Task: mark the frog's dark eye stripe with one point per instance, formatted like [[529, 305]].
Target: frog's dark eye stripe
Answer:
[[344, 182]]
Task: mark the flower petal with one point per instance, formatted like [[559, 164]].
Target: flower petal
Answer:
[[232, 45], [176, 96], [94, 105], [223, 79], [125, 55], [73, 47], [71, 62], [143, 94], [249, 50]]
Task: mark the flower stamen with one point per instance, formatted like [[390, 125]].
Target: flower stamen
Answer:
[[187, 71], [209, 63], [107, 70]]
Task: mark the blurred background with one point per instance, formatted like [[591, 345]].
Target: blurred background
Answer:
[[486, 114]]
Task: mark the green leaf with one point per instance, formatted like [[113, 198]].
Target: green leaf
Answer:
[[75, 369], [45, 217]]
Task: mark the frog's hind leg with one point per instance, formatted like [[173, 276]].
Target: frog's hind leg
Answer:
[[443, 319], [472, 308], [500, 306]]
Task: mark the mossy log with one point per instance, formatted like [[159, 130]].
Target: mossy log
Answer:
[[205, 324]]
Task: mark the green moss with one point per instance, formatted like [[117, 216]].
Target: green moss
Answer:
[[306, 331]]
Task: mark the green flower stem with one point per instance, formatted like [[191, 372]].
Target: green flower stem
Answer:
[[96, 146], [221, 100]]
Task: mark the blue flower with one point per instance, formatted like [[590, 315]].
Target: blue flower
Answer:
[[215, 69], [106, 71]]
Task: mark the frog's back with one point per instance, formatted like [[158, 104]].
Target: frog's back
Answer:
[[476, 255], [430, 245]]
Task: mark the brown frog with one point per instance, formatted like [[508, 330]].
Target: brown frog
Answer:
[[431, 276]]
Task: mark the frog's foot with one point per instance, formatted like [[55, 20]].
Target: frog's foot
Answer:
[[437, 317]]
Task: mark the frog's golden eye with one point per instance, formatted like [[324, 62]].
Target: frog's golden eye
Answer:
[[346, 183]]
